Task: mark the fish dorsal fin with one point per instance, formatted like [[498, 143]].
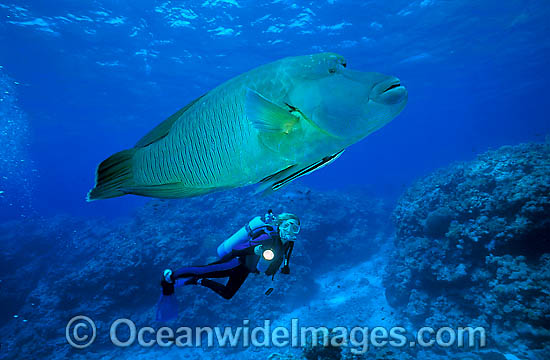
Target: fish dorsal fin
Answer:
[[267, 116], [162, 129], [284, 177]]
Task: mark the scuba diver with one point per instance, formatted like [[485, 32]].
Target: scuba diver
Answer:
[[261, 246]]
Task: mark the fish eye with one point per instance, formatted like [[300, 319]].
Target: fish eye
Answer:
[[333, 68]]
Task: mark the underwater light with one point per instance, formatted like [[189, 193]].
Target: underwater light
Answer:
[[268, 255]]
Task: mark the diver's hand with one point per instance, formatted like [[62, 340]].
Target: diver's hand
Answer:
[[258, 250], [285, 270]]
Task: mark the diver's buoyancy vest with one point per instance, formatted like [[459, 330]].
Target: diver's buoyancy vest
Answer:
[[257, 263], [248, 233]]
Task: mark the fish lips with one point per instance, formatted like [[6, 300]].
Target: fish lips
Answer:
[[389, 92]]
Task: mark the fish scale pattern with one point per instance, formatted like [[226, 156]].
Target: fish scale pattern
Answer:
[[214, 136]]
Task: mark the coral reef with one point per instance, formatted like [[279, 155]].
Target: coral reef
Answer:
[[328, 352], [111, 269], [472, 247]]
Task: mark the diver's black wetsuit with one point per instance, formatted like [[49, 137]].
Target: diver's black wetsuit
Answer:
[[233, 269], [236, 265]]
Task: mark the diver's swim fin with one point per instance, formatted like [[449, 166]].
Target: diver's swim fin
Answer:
[[167, 308]]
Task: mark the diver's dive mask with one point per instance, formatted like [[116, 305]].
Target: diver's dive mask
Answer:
[[289, 229]]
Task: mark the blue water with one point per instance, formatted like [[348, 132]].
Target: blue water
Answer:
[[94, 78], [83, 80]]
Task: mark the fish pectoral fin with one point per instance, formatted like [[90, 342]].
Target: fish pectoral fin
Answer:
[[284, 177], [168, 191], [162, 129], [279, 128], [267, 116]]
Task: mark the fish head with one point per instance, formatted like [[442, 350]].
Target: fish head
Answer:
[[342, 102]]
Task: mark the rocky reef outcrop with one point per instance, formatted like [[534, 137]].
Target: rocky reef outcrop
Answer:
[[472, 246], [109, 269]]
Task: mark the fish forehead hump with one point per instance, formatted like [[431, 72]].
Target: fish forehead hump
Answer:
[[312, 66], [276, 79], [295, 67]]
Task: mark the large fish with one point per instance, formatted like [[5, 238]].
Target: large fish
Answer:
[[270, 126]]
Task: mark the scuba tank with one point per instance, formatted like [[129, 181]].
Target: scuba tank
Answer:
[[244, 234], [241, 236]]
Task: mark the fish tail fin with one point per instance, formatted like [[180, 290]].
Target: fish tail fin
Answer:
[[113, 175]]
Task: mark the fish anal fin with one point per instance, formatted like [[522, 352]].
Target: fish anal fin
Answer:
[[169, 191], [162, 129]]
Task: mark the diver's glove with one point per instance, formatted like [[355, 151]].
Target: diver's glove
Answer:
[[258, 250], [285, 270]]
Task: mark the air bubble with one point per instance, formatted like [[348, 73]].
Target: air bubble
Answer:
[[18, 178]]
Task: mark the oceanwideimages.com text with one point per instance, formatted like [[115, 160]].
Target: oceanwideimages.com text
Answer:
[[81, 332]]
